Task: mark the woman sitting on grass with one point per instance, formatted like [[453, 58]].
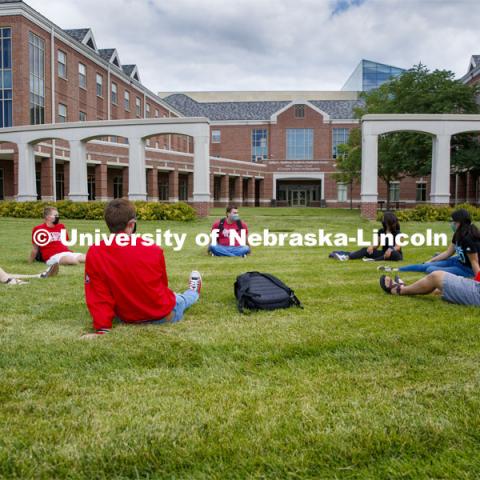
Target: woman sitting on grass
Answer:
[[465, 244], [17, 279], [389, 251]]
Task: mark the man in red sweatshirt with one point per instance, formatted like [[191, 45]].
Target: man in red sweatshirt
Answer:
[[127, 279]]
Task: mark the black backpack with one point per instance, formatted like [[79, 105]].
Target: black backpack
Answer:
[[262, 291], [222, 224]]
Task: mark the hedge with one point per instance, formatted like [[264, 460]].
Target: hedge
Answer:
[[94, 210], [431, 213]]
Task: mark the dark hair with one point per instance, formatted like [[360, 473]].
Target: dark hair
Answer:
[[118, 213], [231, 207], [466, 228], [48, 210], [390, 222]]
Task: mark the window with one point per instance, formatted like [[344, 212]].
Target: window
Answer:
[[6, 74], [183, 188], [342, 192], [394, 192], [138, 107], [114, 93], [36, 50], [163, 186], [147, 106], [126, 100], [62, 113], [259, 145], [421, 192], [299, 144], [38, 181], [217, 188], [339, 137], [83, 117], [60, 185], [299, 111], [118, 186], [82, 75], [2, 184], [99, 80], [91, 186], [62, 64], [157, 113], [216, 136]]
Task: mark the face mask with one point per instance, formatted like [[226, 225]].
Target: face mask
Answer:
[[135, 228], [56, 219], [235, 217]]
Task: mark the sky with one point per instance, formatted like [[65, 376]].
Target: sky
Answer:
[[203, 45]]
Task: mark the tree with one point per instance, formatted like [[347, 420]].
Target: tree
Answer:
[[417, 90], [349, 161]]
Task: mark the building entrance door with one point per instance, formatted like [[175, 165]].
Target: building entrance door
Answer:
[[298, 198]]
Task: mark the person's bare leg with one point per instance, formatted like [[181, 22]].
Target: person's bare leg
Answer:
[[424, 286], [70, 260], [4, 276]]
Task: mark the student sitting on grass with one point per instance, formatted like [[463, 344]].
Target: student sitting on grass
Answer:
[[226, 226], [454, 289], [390, 251], [47, 246], [17, 279], [466, 245], [129, 281]]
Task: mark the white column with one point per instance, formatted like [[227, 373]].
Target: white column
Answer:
[[369, 180], [137, 176], [78, 171], [27, 185], [201, 169], [440, 188]]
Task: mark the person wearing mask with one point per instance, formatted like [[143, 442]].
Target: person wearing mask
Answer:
[[390, 250], [461, 257], [226, 245], [46, 242]]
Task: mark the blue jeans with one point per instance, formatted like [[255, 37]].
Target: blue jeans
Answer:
[[222, 251], [451, 265], [184, 300]]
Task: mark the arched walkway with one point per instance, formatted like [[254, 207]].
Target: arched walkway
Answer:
[[136, 131], [441, 127]]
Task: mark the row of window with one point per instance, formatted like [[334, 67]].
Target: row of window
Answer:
[[299, 142], [394, 192]]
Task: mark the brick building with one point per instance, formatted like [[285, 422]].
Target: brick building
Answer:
[[267, 148]]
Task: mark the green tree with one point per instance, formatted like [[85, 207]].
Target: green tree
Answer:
[[418, 90], [349, 161]]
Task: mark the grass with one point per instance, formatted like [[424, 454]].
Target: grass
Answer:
[[358, 385]]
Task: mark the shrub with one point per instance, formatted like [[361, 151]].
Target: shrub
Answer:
[[432, 213], [94, 210]]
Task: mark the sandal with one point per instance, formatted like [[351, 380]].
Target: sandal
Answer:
[[51, 271], [388, 288]]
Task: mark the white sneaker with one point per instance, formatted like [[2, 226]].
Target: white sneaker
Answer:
[[195, 281], [342, 258]]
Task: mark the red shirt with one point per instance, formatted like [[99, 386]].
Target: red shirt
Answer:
[[129, 282], [477, 278], [223, 238], [54, 244]]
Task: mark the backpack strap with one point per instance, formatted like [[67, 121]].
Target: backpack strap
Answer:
[[239, 225], [221, 225]]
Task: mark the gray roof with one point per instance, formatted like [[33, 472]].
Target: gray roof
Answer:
[[78, 33], [128, 69], [337, 109], [106, 53], [476, 60]]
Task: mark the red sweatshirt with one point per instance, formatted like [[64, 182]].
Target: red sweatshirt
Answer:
[[127, 282], [477, 278]]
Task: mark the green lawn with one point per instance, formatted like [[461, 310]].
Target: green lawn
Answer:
[[357, 385]]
